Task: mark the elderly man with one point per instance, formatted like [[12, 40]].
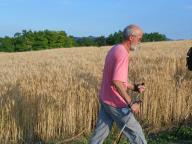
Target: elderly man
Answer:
[[116, 104]]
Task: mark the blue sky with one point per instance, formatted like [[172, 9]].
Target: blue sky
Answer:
[[97, 17]]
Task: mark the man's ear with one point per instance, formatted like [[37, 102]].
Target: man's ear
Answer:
[[130, 38]]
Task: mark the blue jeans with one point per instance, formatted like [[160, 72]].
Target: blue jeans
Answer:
[[120, 116]]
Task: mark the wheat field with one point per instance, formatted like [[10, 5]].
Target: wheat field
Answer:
[[53, 94]]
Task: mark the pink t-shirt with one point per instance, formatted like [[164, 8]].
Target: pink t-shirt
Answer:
[[116, 68]]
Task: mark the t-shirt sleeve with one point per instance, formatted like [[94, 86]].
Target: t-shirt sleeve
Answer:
[[120, 71]]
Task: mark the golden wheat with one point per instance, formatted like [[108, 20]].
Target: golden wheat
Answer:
[[53, 94]]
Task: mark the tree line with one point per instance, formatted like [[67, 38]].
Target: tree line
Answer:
[[38, 40]]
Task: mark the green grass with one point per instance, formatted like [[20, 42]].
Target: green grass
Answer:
[[166, 137], [184, 134]]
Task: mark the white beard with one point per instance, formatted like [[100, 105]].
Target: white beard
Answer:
[[134, 47]]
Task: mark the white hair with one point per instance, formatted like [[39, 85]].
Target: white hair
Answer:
[[130, 30]]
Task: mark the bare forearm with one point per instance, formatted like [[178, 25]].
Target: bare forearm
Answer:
[[122, 91], [130, 86]]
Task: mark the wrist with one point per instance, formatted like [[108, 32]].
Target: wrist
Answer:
[[130, 104], [132, 86]]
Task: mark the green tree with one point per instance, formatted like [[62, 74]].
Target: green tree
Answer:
[[29, 40], [7, 44], [154, 37], [86, 41], [100, 41], [115, 38]]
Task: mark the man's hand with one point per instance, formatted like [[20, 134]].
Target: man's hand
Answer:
[[141, 88], [135, 107]]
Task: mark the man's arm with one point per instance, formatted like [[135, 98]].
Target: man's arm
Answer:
[[136, 87], [122, 91], [130, 86]]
